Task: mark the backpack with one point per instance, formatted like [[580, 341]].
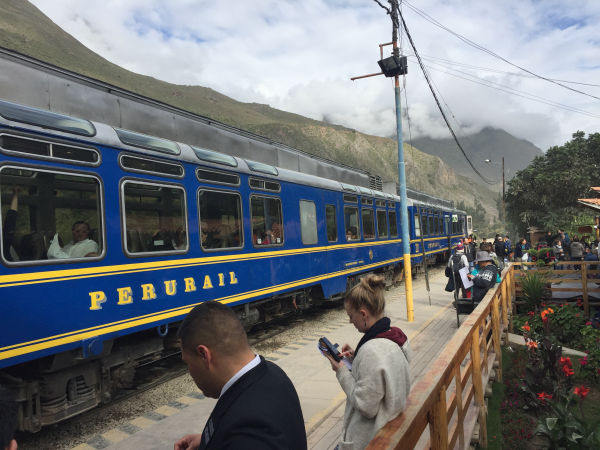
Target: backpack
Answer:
[[457, 263]]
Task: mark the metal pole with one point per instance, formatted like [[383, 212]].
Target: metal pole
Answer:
[[402, 178], [503, 195]]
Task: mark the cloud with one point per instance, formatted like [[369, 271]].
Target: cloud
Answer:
[[299, 57]]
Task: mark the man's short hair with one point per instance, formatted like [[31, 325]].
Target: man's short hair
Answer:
[[214, 325], [81, 222], [8, 417]]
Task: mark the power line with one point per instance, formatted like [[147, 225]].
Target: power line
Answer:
[[489, 52], [512, 91], [450, 63], [426, 74]]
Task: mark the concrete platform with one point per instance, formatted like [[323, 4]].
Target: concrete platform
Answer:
[[321, 397]]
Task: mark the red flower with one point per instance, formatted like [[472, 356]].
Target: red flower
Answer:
[[579, 302], [531, 314], [582, 391], [588, 323], [542, 397], [583, 361], [526, 327], [565, 361], [567, 371], [532, 345]]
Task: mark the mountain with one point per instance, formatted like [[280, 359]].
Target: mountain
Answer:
[[491, 144], [25, 29]]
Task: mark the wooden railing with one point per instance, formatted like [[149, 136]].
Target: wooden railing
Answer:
[[446, 404], [583, 275]]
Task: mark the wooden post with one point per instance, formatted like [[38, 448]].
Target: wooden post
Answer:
[[505, 302], [438, 422], [460, 423], [584, 285], [478, 385], [496, 337]]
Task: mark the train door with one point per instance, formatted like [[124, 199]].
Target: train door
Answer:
[[469, 225]]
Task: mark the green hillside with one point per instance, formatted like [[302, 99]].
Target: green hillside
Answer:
[[25, 29]]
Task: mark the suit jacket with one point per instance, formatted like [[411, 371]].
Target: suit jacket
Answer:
[[261, 410]]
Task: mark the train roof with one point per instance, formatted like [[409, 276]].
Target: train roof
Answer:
[[45, 96]]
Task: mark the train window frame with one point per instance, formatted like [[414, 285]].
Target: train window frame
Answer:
[[350, 198], [203, 154], [347, 227], [366, 202], [240, 219], [383, 213], [125, 168], [45, 119], [51, 143], [255, 243], [362, 218], [348, 187], [329, 228], [100, 211], [417, 223], [123, 213], [260, 184], [393, 235], [142, 140], [220, 172], [308, 222]]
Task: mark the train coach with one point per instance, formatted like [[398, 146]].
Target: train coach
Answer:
[[110, 236]]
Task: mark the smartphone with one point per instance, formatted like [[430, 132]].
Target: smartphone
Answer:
[[326, 346]]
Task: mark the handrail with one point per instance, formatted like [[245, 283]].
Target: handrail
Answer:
[[449, 399]]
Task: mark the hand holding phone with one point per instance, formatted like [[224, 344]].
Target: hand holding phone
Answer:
[[329, 348]]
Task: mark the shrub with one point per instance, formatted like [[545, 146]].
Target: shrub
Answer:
[[533, 284]]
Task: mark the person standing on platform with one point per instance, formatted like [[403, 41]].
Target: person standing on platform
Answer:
[[257, 407], [379, 383], [486, 276]]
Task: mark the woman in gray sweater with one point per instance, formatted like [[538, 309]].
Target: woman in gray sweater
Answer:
[[379, 382]]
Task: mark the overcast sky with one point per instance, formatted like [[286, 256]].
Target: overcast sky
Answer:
[[299, 55]]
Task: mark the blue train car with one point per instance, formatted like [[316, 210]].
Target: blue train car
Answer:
[[110, 236]]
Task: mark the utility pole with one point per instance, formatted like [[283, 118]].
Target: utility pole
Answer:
[[395, 66], [503, 197], [402, 174]]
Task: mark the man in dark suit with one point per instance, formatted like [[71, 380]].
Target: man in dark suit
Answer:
[[258, 407]]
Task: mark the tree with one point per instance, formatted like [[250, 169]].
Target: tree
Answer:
[[545, 193]]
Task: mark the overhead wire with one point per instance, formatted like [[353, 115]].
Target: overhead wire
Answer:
[[512, 91], [429, 83], [467, 41]]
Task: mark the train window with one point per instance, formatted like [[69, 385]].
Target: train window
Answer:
[[148, 165], [220, 220], [392, 204], [447, 229], [368, 221], [393, 224], [46, 119], [214, 176], [145, 141], [367, 201], [350, 198], [380, 203], [351, 222], [266, 218], [49, 216], [48, 149], [382, 226], [430, 230], [308, 222], [214, 157], [417, 224], [155, 218], [264, 185], [440, 225], [262, 168], [331, 222]]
